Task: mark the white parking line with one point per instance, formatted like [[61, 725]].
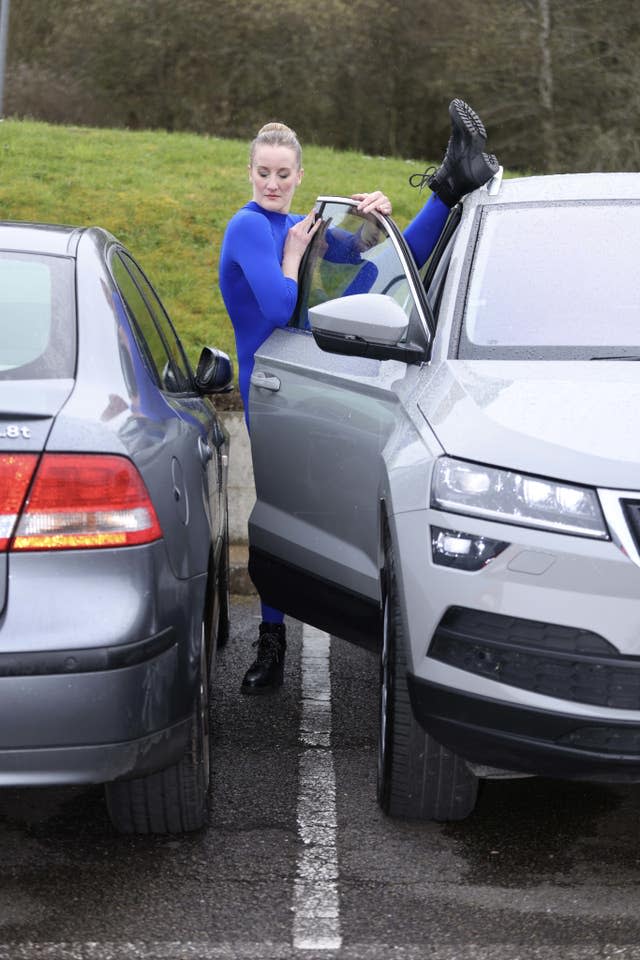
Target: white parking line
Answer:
[[316, 903]]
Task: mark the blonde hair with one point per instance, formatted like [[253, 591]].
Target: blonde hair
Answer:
[[276, 134]]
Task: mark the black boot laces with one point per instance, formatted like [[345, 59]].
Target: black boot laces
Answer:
[[269, 647], [420, 180]]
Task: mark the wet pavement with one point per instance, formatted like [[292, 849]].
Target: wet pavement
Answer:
[[541, 869]]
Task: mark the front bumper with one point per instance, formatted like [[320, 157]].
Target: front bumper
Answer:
[[531, 741], [557, 691]]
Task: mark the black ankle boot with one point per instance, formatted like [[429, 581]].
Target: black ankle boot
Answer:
[[266, 672], [465, 166]]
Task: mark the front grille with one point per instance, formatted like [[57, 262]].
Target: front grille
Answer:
[[556, 661]]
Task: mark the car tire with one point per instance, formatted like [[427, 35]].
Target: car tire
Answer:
[[418, 778], [223, 580], [173, 800]]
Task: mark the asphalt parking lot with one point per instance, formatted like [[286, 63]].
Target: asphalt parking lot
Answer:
[[298, 861]]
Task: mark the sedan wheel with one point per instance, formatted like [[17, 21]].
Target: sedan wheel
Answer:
[[417, 777], [174, 800]]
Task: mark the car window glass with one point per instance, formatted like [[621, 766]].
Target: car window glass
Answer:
[[151, 344], [179, 361], [147, 336], [351, 254], [543, 276], [37, 317]]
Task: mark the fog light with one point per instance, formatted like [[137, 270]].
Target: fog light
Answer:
[[464, 551]]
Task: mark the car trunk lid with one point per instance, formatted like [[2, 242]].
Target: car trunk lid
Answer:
[[27, 411]]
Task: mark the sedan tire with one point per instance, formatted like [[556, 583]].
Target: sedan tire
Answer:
[[417, 777], [174, 800]]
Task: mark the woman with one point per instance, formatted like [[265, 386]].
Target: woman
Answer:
[[260, 258]]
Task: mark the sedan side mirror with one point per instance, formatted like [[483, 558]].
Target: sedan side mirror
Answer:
[[364, 325], [214, 373]]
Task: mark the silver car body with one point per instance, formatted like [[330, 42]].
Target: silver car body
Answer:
[[101, 649], [346, 445]]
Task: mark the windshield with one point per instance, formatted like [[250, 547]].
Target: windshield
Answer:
[[554, 281], [37, 317]]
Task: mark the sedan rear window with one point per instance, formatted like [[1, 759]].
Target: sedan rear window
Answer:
[[37, 317], [554, 281]]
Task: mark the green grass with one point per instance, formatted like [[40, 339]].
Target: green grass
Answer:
[[168, 197]]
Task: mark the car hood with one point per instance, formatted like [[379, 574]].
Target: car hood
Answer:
[[577, 421]]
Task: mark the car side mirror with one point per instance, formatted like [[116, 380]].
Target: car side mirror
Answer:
[[364, 325], [214, 373]]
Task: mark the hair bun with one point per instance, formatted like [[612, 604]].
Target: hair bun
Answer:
[[276, 134], [276, 127]]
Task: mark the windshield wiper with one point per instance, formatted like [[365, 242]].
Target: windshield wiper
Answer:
[[623, 356]]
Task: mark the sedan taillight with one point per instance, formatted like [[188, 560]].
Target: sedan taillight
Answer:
[[16, 471], [85, 500]]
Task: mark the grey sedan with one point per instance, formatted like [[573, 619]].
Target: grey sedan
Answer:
[[113, 531], [447, 467]]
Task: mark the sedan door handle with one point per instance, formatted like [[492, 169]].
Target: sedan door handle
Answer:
[[264, 381]]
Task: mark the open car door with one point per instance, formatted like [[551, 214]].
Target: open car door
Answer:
[[320, 422]]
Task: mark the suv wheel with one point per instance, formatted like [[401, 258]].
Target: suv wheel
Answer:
[[417, 777], [174, 800]]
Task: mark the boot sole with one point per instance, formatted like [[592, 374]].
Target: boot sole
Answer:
[[468, 121]]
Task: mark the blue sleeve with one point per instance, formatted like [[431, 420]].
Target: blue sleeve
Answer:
[[253, 249], [341, 246], [423, 232]]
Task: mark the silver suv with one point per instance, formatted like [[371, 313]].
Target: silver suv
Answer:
[[447, 469]]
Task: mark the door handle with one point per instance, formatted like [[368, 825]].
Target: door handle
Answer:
[[264, 381]]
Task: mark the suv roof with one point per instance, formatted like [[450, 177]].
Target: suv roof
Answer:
[[558, 187]]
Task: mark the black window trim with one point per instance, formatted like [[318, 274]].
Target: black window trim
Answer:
[[122, 253]]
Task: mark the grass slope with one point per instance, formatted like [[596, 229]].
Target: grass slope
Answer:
[[168, 198]]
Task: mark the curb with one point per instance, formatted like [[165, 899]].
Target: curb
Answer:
[[242, 494], [239, 580]]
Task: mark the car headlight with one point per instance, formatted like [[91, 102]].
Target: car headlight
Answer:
[[511, 497]]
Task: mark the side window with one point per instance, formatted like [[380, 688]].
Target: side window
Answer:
[[351, 254], [149, 340], [164, 325]]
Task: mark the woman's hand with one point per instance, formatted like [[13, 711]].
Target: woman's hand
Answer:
[[368, 202], [298, 239]]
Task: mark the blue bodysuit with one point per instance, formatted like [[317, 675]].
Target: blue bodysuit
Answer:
[[259, 298]]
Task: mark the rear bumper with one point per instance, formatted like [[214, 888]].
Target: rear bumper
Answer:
[[99, 665], [527, 740], [51, 766], [113, 713]]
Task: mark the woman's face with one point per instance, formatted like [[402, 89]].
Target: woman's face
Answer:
[[275, 175]]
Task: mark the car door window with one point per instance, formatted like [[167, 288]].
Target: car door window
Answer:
[[150, 341], [163, 323], [352, 253]]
